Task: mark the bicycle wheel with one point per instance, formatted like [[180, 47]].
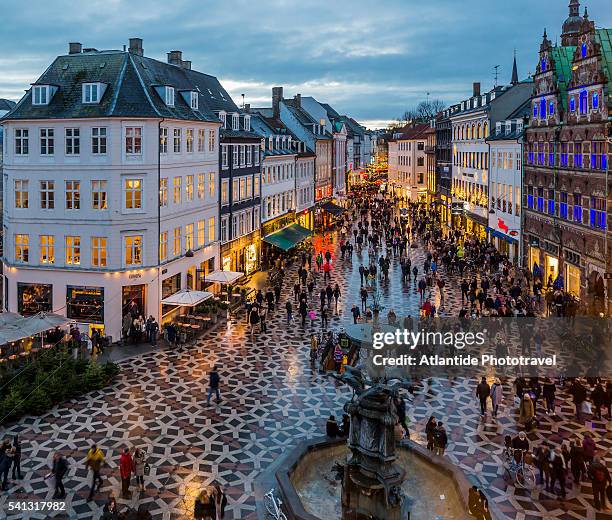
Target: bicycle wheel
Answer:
[[270, 506], [529, 478]]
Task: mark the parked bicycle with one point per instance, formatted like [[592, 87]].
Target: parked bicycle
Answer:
[[516, 468], [273, 506]]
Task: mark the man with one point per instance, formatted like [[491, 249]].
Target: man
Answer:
[[277, 294], [213, 385], [440, 439], [483, 391], [126, 465], [356, 314], [95, 460], [289, 309], [441, 286], [600, 478], [154, 331], [59, 468], [364, 298]]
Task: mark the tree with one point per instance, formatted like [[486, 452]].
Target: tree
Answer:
[[423, 112]]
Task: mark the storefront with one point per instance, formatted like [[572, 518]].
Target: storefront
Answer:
[[171, 285], [33, 298], [306, 218], [571, 272], [241, 254], [85, 304], [445, 209], [134, 300], [551, 268]]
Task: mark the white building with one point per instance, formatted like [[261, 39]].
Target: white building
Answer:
[[407, 162], [111, 187]]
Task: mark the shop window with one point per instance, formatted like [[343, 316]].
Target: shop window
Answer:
[[85, 304], [34, 298]]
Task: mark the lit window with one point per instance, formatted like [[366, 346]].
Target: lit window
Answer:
[[224, 192], [189, 187], [91, 93], [21, 141], [584, 50], [98, 141], [170, 96], [133, 193], [551, 108], [201, 232], [40, 95], [201, 141], [98, 195], [189, 236], [595, 100], [98, 251], [133, 140], [543, 65], [163, 245], [211, 230], [22, 248], [177, 140], [211, 184], [572, 104], [47, 249], [256, 187], [177, 241], [73, 195], [133, 250], [201, 187], [211, 140], [163, 192], [73, 141], [73, 250], [177, 189], [189, 140], [47, 141], [47, 194], [21, 194], [163, 140]]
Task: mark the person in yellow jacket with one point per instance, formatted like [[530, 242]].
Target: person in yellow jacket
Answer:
[[95, 460]]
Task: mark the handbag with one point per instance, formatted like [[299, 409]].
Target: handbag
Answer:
[[585, 407], [147, 468]]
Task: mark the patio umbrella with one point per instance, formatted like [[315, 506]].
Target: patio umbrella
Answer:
[[187, 298], [226, 277]]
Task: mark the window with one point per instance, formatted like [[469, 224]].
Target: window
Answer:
[[235, 190], [211, 184], [40, 95], [577, 213], [163, 192], [249, 187], [420, 161], [189, 187], [201, 187], [572, 104], [22, 248], [256, 153], [21, 194], [47, 141], [47, 249], [543, 65], [73, 250], [224, 229], [98, 141], [551, 108], [584, 102], [98, 195], [242, 156], [193, 100], [201, 232], [211, 140], [583, 50], [211, 229], [189, 236], [176, 246], [133, 250], [247, 123], [541, 199], [177, 140], [223, 118], [189, 140], [163, 245], [98, 251], [21, 141], [169, 96], [249, 155], [551, 202], [224, 157], [595, 101], [563, 204], [73, 141], [133, 193], [47, 194], [256, 187], [235, 155], [235, 122], [91, 93], [224, 192], [133, 140], [542, 108], [201, 143], [163, 140], [73, 195], [242, 188], [597, 214], [177, 190]]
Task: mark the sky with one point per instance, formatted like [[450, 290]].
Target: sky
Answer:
[[372, 60]]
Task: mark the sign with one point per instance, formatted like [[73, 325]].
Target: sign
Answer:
[[135, 275], [457, 208], [513, 233]]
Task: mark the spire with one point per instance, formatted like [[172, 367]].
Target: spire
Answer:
[[586, 13], [514, 79], [574, 8]]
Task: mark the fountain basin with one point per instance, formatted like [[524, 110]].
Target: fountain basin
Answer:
[[310, 491]]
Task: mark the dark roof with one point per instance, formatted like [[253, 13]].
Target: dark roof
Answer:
[[604, 38], [418, 131], [131, 80], [6, 104]]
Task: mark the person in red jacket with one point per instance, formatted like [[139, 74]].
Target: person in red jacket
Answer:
[[126, 467]]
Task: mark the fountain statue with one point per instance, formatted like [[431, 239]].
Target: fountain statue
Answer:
[[371, 480]]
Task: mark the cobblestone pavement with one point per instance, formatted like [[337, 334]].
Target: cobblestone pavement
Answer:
[[271, 400]]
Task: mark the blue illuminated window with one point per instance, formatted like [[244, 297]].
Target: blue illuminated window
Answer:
[[535, 110], [551, 108], [584, 105], [530, 204], [584, 50], [595, 100], [541, 199], [542, 108], [572, 104], [543, 65], [563, 205]]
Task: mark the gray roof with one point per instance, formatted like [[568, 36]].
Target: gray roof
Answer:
[[6, 104], [131, 80]]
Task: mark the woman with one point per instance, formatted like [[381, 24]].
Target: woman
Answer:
[[203, 507], [220, 501], [496, 395], [429, 432], [331, 427], [526, 411], [139, 467]]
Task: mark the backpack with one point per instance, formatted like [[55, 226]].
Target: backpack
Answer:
[[599, 474]]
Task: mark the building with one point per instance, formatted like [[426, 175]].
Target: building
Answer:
[[6, 105], [340, 155], [566, 187], [407, 162], [444, 165], [430, 161], [111, 165], [471, 124]]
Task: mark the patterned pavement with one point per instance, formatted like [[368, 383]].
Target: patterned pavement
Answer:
[[271, 400]]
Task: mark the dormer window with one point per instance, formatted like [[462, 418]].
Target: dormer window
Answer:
[[271, 143], [193, 100], [170, 96], [92, 92], [41, 95], [223, 117], [247, 123], [235, 121]]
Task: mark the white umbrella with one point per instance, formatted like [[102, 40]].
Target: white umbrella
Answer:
[[187, 298], [226, 277]]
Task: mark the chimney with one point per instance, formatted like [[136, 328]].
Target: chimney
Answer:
[[476, 88], [277, 97], [247, 108], [298, 100], [186, 64], [175, 58], [74, 48], [136, 46]]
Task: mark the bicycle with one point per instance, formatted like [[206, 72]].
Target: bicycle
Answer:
[[518, 471], [273, 506]]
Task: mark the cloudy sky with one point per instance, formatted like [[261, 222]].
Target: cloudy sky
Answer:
[[369, 59]]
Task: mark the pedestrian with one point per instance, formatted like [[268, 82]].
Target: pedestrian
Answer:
[[140, 463], [589, 447], [312, 316], [110, 511], [5, 462], [548, 391], [126, 466], [496, 395], [356, 314], [203, 506], [314, 346], [557, 472], [600, 479], [153, 331], [331, 427], [483, 391], [219, 500], [337, 295], [289, 309], [94, 461], [16, 458], [364, 298], [303, 312], [59, 468], [526, 412], [213, 385], [577, 464], [263, 327], [325, 317], [440, 439]]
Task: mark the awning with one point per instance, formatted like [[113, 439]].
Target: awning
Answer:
[[187, 298], [14, 327], [288, 237], [332, 208], [501, 235], [223, 276]]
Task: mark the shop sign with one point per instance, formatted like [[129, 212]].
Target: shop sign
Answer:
[[457, 208], [134, 276]]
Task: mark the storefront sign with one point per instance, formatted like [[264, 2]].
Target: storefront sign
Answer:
[[135, 275]]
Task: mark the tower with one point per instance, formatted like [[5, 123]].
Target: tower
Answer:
[[514, 79], [573, 25]]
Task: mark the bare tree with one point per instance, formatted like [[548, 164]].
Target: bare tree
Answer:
[[423, 112]]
